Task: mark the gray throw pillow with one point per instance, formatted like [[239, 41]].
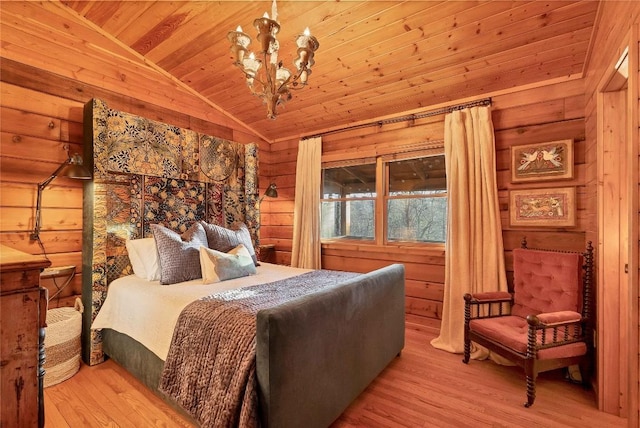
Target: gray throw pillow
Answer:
[[223, 239], [179, 254]]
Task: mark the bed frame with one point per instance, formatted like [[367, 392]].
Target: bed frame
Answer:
[[314, 355]]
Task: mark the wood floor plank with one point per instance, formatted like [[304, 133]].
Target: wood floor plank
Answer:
[[52, 416], [422, 388]]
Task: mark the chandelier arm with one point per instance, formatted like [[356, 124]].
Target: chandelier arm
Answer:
[[294, 80], [284, 85], [248, 76]]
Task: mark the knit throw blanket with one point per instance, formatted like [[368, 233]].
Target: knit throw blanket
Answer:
[[210, 368]]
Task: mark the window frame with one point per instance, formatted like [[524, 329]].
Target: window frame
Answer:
[[383, 196]]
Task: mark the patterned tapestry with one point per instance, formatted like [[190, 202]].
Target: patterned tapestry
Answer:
[[147, 172]]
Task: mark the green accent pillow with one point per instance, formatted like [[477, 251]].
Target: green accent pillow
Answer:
[[218, 266]]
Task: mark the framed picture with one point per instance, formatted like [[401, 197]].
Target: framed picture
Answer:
[[554, 207], [542, 161]]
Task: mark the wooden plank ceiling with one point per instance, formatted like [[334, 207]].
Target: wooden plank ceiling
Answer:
[[376, 58]]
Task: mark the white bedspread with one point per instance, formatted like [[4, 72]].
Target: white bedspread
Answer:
[[147, 311]]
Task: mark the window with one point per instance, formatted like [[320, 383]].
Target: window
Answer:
[[408, 193], [417, 200], [348, 202]]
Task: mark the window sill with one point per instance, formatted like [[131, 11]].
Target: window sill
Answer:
[[431, 249]]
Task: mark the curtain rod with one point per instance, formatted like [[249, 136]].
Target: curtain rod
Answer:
[[411, 117]]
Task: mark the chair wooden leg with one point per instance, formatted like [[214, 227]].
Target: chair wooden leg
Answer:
[[467, 353], [467, 341], [467, 347], [531, 391]]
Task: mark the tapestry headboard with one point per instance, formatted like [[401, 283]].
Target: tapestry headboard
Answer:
[[147, 172]]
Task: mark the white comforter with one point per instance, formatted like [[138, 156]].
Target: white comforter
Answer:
[[147, 311]]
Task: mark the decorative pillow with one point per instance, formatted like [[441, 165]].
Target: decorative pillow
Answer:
[[223, 239], [218, 266], [179, 254], [143, 256]]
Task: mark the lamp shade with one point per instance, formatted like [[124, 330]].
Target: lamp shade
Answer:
[[271, 191], [74, 169]]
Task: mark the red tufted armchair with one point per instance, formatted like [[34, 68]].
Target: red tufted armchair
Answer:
[[545, 323]]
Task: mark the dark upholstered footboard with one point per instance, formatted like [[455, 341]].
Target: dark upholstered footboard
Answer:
[[134, 357], [316, 354]]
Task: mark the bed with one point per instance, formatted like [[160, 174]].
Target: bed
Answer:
[[313, 353], [309, 367]]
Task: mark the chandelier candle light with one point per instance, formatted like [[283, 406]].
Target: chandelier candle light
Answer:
[[275, 82]]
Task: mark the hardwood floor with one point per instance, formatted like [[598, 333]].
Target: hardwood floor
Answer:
[[424, 387]]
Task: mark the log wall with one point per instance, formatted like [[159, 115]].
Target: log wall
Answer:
[[547, 113]]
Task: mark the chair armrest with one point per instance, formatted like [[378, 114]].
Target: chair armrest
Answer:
[[550, 319], [551, 329], [488, 297], [485, 305]]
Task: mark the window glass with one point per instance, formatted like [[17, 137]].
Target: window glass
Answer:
[[417, 176], [355, 181], [353, 219], [417, 203], [348, 206], [417, 219]]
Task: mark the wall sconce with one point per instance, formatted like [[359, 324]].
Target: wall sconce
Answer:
[[71, 168], [271, 192]]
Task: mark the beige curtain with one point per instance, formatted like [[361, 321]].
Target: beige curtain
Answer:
[[474, 260], [306, 215]]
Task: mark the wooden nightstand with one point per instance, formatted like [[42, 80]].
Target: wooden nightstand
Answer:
[[23, 312], [268, 253]]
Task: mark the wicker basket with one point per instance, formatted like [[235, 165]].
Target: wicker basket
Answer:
[[62, 343]]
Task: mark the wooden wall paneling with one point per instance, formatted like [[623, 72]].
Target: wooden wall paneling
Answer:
[[424, 289], [24, 195], [526, 134], [14, 96], [16, 145], [60, 219], [35, 125], [54, 241]]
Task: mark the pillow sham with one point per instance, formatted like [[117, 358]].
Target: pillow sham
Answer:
[[143, 256], [179, 254], [223, 239], [218, 266]]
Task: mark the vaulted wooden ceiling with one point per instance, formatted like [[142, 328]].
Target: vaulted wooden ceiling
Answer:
[[376, 58]]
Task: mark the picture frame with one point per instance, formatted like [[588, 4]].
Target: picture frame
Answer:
[[552, 160], [552, 207]]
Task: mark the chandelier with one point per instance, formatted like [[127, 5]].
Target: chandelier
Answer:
[[272, 83]]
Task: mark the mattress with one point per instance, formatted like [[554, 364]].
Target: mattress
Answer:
[[147, 311]]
